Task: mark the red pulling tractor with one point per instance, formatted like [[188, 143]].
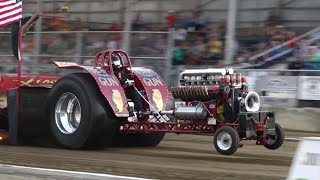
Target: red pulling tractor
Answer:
[[112, 103]]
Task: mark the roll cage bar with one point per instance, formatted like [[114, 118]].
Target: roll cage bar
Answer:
[[20, 37], [103, 60]]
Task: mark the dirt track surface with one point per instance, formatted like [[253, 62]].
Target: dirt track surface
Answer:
[[177, 157]]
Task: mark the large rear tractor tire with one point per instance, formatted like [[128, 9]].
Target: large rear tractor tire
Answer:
[[226, 140], [276, 141], [80, 117]]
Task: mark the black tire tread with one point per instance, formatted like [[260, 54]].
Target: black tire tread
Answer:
[[278, 143], [100, 134], [4, 124]]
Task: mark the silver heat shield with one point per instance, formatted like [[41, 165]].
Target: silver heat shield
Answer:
[[191, 112]]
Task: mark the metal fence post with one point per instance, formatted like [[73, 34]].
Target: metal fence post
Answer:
[[79, 42], [168, 59], [127, 27], [229, 47], [38, 36]]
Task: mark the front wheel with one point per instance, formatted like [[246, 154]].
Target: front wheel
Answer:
[[226, 140], [276, 141]]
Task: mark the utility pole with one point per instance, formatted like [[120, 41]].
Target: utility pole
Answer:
[[230, 36]]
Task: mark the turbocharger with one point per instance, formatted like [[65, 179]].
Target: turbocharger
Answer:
[[252, 102]]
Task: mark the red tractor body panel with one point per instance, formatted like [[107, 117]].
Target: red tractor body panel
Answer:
[[9, 81], [155, 88], [109, 86]]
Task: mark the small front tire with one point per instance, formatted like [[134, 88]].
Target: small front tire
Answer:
[[277, 141], [226, 140]]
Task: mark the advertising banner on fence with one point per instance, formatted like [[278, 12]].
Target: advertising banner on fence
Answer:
[[277, 90], [309, 88], [306, 162]]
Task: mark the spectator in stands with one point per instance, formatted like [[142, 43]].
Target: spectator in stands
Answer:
[[171, 19], [197, 21], [199, 48], [138, 24], [295, 62], [290, 36], [181, 21], [47, 40], [275, 43], [256, 36], [194, 59], [180, 35], [314, 54], [215, 48], [59, 25], [262, 46], [221, 31], [179, 54]]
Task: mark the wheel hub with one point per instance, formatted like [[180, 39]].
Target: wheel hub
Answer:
[[68, 113], [272, 139], [224, 140]]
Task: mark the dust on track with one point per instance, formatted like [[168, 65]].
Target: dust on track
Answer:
[[177, 157]]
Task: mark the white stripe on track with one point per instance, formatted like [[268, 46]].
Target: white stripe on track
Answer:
[[292, 139], [71, 172]]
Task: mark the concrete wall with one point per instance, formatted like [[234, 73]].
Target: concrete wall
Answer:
[[301, 119]]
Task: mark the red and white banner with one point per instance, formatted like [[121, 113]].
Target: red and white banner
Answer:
[[10, 12]]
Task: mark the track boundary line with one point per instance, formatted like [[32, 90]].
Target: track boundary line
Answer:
[[71, 172], [293, 139]]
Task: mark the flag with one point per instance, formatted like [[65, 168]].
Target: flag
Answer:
[[10, 12]]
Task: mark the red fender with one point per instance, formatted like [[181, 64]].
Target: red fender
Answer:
[[155, 89], [108, 84], [9, 81]]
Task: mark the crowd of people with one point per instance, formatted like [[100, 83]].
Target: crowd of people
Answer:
[[195, 41]]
